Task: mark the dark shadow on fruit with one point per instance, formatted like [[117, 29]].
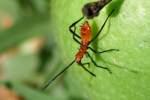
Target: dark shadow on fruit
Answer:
[[102, 35], [94, 31], [115, 5]]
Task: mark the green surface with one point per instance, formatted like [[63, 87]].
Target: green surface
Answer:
[[127, 30]]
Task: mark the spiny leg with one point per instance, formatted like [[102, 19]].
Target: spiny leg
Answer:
[[101, 27], [99, 52], [82, 65], [72, 25], [97, 64]]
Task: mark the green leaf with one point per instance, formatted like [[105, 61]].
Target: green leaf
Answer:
[[128, 31]]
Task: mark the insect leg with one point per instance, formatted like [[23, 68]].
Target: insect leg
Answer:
[[101, 27], [72, 25], [99, 52], [97, 64], [82, 65]]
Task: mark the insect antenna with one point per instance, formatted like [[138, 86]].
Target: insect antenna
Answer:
[[50, 81]]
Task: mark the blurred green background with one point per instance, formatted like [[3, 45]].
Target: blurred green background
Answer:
[[29, 54], [35, 44]]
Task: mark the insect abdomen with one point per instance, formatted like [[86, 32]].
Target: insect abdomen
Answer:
[[81, 53]]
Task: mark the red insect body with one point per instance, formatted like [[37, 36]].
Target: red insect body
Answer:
[[85, 36], [85, 39]]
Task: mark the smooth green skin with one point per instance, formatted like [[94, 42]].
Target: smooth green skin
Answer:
[[127, 30]]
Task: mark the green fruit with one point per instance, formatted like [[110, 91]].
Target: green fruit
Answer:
[[127, 30]]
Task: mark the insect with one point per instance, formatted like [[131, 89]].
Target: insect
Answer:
[[92, 9], [86, 40]]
